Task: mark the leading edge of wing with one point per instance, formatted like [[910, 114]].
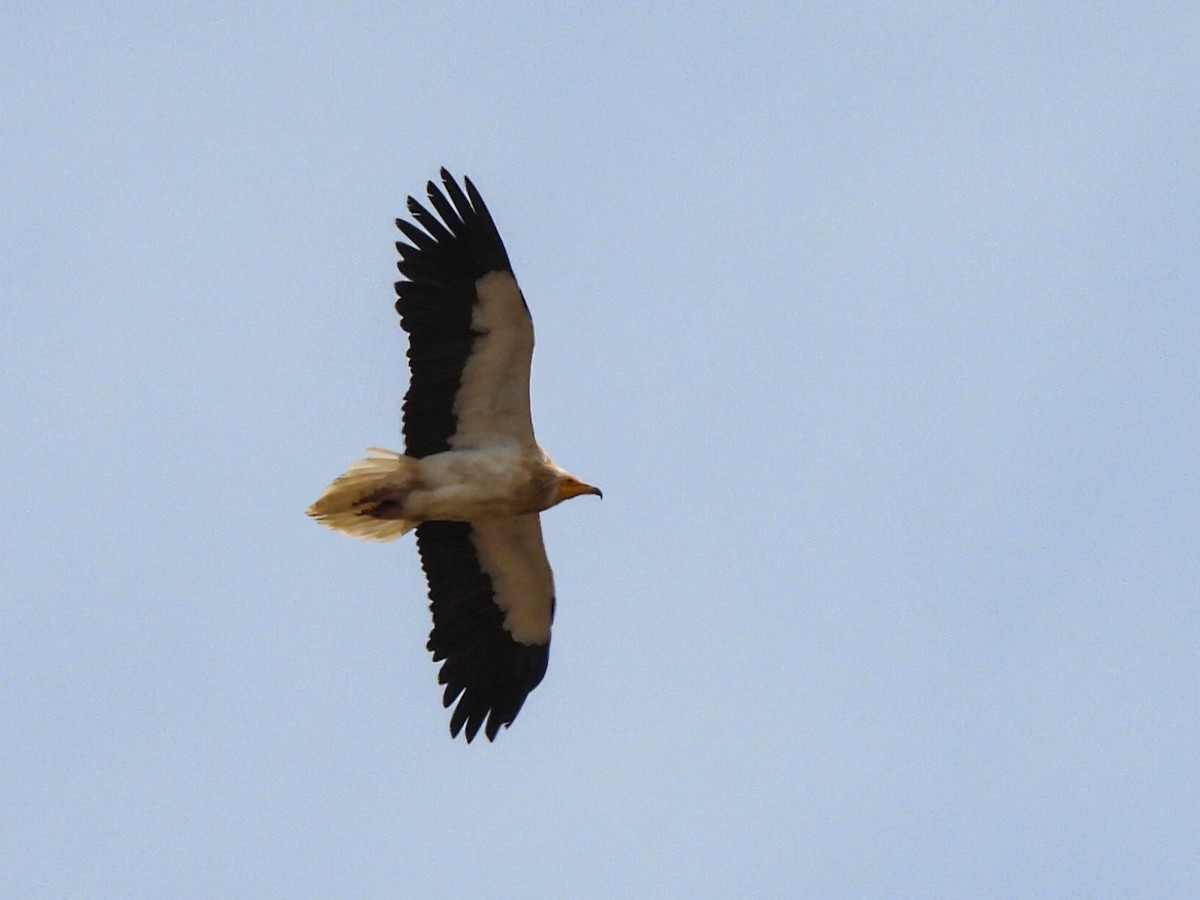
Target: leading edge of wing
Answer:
[[492, 597]]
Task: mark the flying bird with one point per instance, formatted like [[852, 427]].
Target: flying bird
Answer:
[[472, 480]]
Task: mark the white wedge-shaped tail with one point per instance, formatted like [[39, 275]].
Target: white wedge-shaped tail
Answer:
[[366, 501]]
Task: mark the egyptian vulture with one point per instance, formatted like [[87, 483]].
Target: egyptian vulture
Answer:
[[472, 480]]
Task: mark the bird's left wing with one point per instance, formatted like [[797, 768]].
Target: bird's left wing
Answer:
[[470, 334], [492, 596]]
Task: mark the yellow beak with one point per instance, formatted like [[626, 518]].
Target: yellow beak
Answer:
[[569, 489]]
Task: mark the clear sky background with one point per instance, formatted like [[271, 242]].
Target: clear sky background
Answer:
[[879, 325]]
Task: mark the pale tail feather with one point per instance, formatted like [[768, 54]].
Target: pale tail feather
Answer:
[[369, 485]]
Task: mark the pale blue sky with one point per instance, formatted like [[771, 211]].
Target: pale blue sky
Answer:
[[878, 325]]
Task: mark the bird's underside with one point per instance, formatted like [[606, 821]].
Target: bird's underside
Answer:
[[472, 480]]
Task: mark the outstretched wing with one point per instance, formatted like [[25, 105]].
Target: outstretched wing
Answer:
[[492, 596], [470, 335]]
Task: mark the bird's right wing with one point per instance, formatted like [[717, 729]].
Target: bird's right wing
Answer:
[[492, 596]]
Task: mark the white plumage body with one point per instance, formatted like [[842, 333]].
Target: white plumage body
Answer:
[[386, 494]]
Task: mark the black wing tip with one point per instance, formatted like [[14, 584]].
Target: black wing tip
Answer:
[[453, 231], [449, 184], [477, 706], [471, 711], [465, 200], [447, 178], [491, 714], [468, 726]]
